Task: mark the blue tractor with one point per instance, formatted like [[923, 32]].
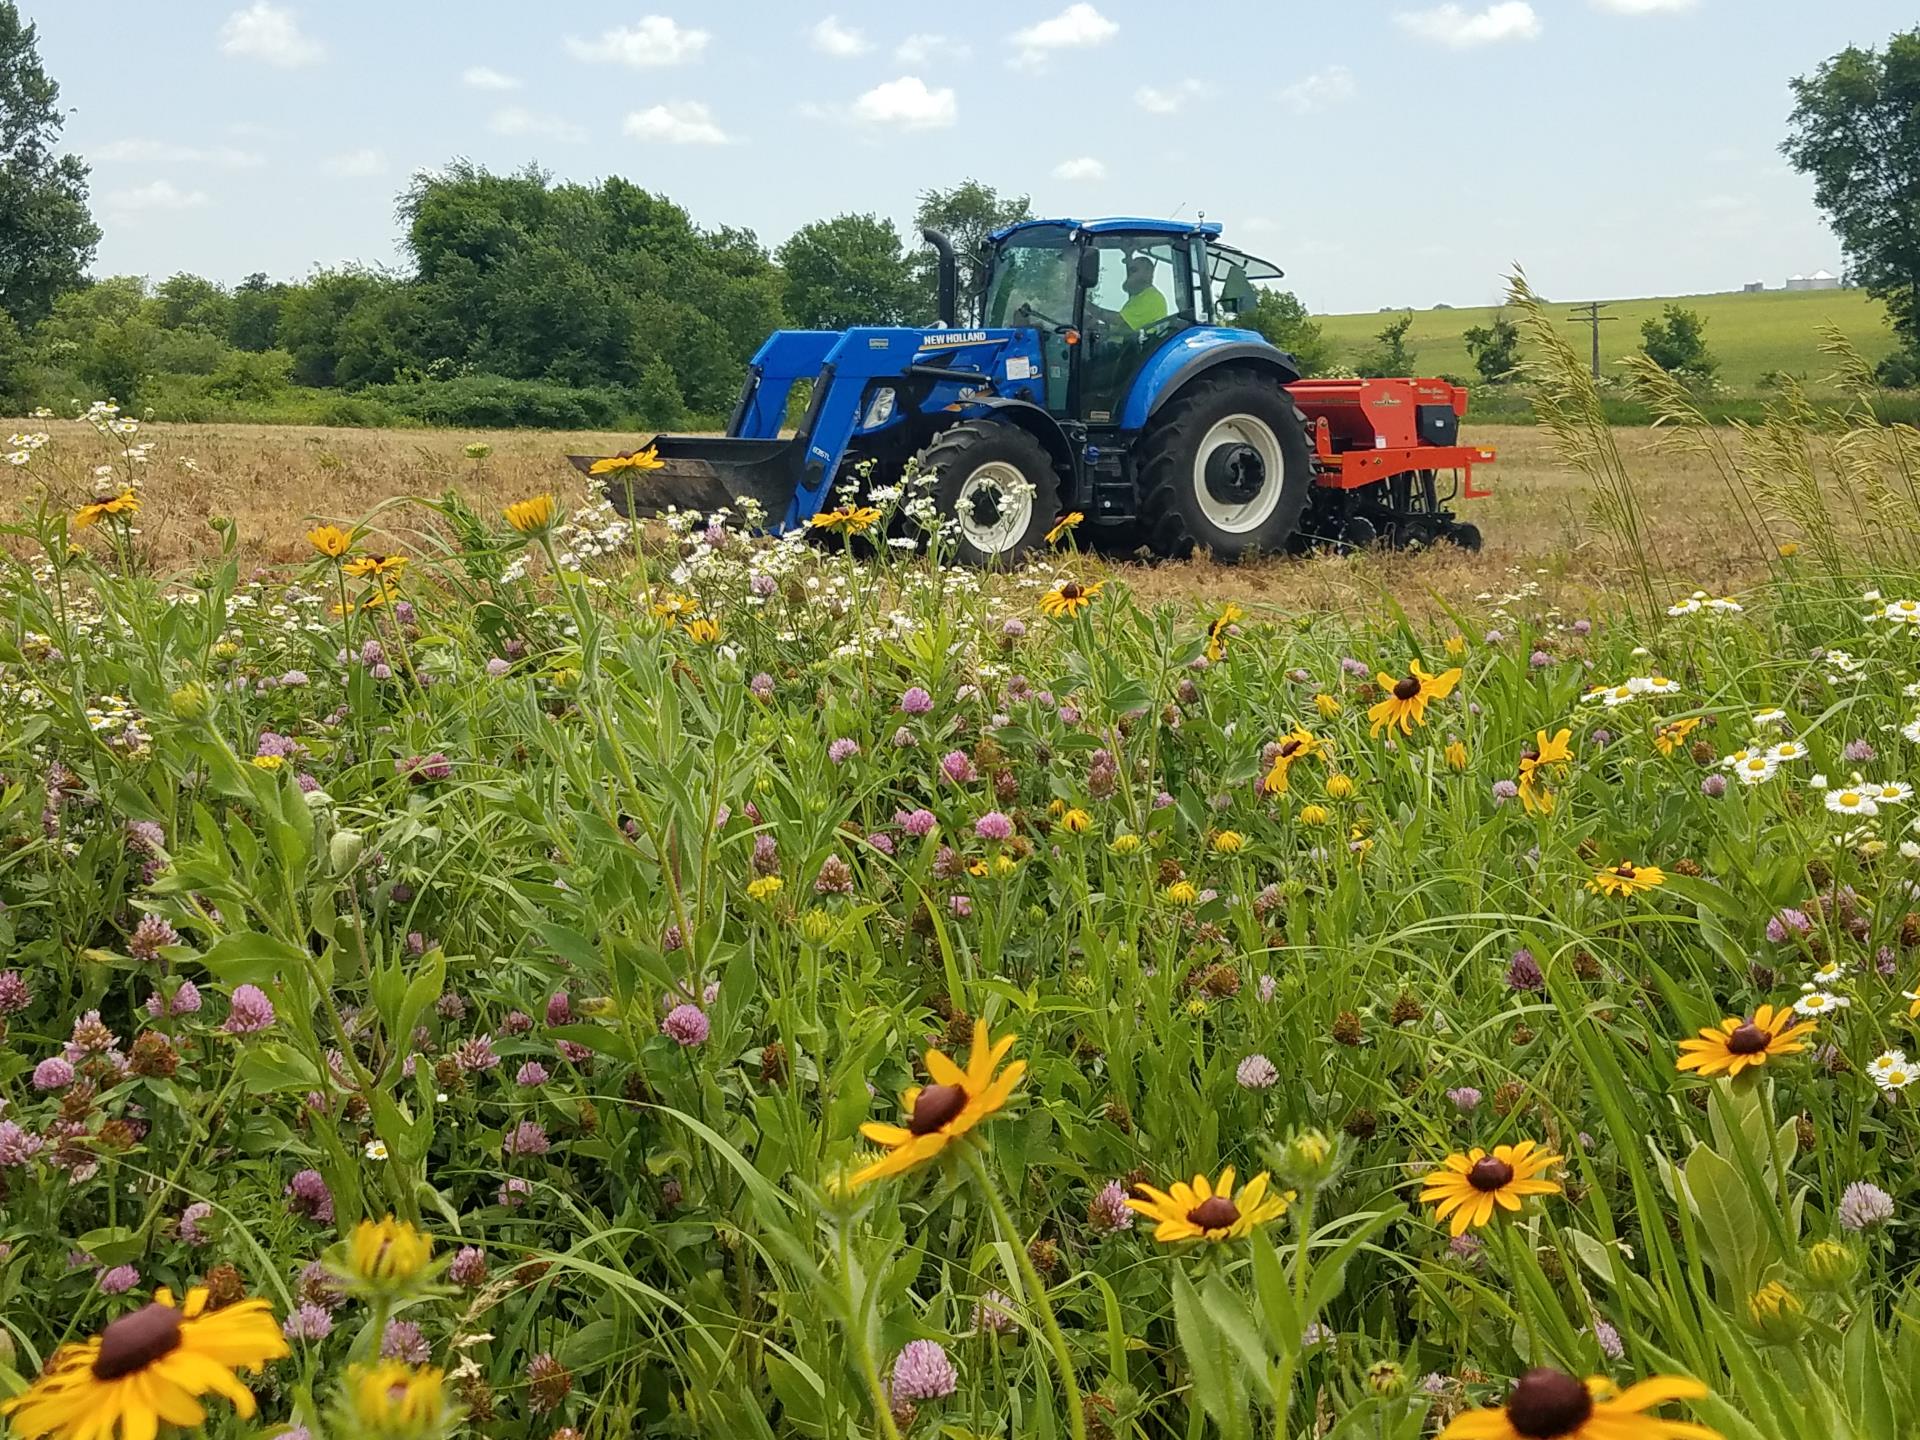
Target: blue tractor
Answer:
[[1101, 371]]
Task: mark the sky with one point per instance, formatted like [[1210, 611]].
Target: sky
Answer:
[[1383, 154]]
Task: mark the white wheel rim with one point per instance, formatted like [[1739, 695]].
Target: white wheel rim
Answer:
[[995, 507], [1240, 432]]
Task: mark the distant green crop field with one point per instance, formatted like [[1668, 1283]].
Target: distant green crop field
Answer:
[[1751, 335]]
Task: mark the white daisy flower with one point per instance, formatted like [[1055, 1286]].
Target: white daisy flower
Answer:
[[1851, 802], [1819, 1002], [1766, 718], [1891, 1060], [1903, 612], [1910, 849], [1870, 595], [1689, 606], [376, 1149], [1735, 759], [1757, 769], [1826, 974], [1640, 684], [1660, 685], [1896, 1077], [1893, 792], [1618, 695], [1817, 781], [1788, 750]]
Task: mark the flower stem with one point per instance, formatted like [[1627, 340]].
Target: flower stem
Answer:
[[862, 1352], [1036, 1291]]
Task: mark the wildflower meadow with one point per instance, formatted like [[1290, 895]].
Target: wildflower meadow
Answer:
[[519, 975]]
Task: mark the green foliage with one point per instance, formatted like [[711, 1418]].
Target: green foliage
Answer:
[[1495, 348], [1279, 315], [47, 236], [500, 402], [968, 213], [847, 271], [1855, 131], [1677, 343], [1899, 371], [1389, 355], [657, 397]]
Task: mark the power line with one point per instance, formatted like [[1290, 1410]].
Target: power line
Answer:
[[1589, 314]]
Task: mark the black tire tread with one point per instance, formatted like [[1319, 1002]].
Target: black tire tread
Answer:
[[1162, 473], [948, 452]]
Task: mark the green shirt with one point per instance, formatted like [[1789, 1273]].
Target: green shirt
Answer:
[[1143, 309]]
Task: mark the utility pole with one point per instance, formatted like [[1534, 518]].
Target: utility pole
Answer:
[[1589, 314]]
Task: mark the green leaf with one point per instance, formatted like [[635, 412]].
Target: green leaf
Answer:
[[1228, 1311], [249, 958], [1201, 1343], [1864, 1384], [1285, 1329], [1727, 1215], [269, 1068]]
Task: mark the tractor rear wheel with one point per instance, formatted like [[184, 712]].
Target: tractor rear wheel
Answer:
[[1225, 467], [997, 486]]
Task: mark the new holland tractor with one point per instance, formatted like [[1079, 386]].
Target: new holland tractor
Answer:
[[1103, 369]]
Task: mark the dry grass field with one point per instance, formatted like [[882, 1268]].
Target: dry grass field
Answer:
[[274, 481]]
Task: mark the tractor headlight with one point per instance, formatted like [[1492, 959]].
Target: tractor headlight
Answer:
[[879, 410]]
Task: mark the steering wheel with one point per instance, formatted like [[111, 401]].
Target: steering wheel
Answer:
[[1027, 312]]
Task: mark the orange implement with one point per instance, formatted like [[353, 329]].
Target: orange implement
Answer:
[[1365, 431]]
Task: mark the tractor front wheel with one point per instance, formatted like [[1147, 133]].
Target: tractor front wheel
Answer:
[[994, 488], [1225, 467]]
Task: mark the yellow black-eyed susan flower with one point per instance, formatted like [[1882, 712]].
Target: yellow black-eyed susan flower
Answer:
[[149, 1367], [1068, 598], [1473, 1187], [1209, 1210], [943, 1112], [1217, 631], [846, 519], [330, 540], [1738, 1043], [1063, 527], [532, 515], [640, 461], [1295, 745], [1671, 736], [380, 565], [1626, 879], [125, 503], [1549, 1404], [1407, 698], [387, 1253]]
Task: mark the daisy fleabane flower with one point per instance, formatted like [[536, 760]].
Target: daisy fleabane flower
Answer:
[[1819, 1002]]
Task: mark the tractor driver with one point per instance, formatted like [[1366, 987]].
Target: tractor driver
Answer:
[[1144, 304]]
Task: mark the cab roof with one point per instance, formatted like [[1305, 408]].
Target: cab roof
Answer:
[[1117, 222]]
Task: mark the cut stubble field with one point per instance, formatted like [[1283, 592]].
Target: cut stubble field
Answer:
[[275, 481]]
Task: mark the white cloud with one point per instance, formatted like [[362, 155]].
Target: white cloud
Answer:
[[655, 41], [907, 102], [680, 122], [356, 164], [518, 120], [155, 195], [919, 49], [1084, 167], [269, 33], [162, 152], [1156, 101], [1330, 86], [830, 37], [485, 77], [1458, 27], [1643, 7], [1074, 28]]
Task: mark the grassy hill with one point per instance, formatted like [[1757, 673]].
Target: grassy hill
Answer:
[[1751, 335]]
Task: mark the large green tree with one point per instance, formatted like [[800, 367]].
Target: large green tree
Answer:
[[848, 271], [1856, 134], [47, 236], [1283, 319], [968, 213]]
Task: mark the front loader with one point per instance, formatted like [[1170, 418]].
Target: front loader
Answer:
[[1103, 370]]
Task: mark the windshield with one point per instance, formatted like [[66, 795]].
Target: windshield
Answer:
[[1234, 274], [1037, 269]]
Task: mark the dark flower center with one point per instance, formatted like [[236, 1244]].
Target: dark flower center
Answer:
[[1407, 688], [1070, 591], [1547, 1403], [1748, 1039], [1490, 1174], [1625, 872], [135, 1341], [1287, 747], [1219, 1213], [935, 1106]]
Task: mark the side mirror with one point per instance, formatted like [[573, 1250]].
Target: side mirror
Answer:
[[1089, 268]]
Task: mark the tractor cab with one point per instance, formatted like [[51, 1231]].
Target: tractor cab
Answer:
[[1106, 296]]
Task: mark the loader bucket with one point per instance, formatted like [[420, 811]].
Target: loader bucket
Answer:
[[705, 473]]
